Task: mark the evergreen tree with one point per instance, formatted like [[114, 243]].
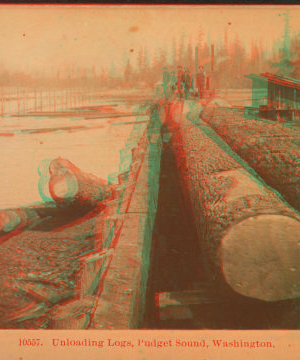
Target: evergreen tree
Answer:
[[200, 41], [174, 53], [286, 36], [189, 56], [295, 63], [238, 63], [285, 65], [140, 64], [205, 57], [94, 72], [226, 42], [254, 58], [128, 73], [163, 55], [155, 66], [112, 71], [182, 49], [112, 74], [103, 77], [146, 66]]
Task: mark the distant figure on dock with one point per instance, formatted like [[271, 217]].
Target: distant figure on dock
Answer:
[[200, 81], [187, 82], [173, 82], [166, 82], [207, 83], [179, 80]]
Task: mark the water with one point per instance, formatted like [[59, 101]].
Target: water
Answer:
[[92, 144]]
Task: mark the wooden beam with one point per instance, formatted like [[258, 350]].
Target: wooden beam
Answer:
[[176, 305]]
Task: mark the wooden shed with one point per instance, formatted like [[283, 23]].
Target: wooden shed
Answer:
[[275, 96]]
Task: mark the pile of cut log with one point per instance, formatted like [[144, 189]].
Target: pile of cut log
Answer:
[[273, 150], [249, 236], [43, 245]]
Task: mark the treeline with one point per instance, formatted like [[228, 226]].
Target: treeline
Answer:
[[80, 77], [231, 62]]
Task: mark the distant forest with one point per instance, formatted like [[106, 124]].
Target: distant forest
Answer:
[[231, 63]]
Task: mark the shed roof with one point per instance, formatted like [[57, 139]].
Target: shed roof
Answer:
[[276, 79]]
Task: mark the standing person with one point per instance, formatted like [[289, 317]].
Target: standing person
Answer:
[[166, 81], [179, 80], [173, 82], [187, 82], [200, 81]]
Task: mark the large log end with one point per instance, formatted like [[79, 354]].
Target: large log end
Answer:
[[9, 220], [63, 188], [69, 186], [261, 257]]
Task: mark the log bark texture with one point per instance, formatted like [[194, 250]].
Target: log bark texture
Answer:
[[273, 150], [69, 186], [249, 235]]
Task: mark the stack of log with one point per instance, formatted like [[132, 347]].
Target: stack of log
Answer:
[[41, 267], [273, 150], [71, 189], [248, 235]]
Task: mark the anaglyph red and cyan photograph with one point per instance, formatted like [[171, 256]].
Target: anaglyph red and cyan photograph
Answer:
[[150, 162]]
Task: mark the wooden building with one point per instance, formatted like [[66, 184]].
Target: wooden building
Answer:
[[275, 96]]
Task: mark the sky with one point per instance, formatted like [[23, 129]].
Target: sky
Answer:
[[43, 38]]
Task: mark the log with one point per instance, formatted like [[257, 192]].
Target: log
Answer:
[[176, 305], [270, 148], [12, 219], [27, 218], [9, 220], [71, 187], [248, 234]]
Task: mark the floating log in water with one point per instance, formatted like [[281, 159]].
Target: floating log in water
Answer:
[[71, 187], [250, 236]]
